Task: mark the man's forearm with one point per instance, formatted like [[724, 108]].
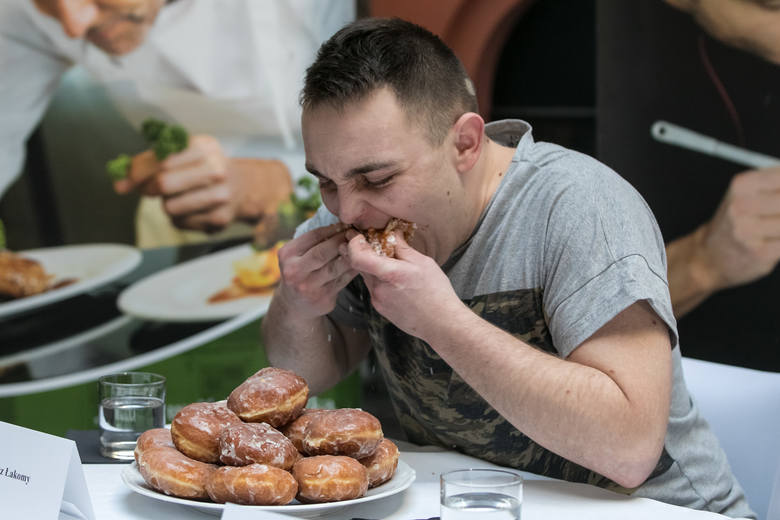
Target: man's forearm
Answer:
[[690, 281], [574, 410], [313, 349]]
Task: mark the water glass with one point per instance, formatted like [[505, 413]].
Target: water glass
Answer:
[[129, 404], [489, 494]]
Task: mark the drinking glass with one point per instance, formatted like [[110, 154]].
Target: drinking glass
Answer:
[[471, 494], [129, 404]]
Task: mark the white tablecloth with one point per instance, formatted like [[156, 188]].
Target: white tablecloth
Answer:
[[543, 499]]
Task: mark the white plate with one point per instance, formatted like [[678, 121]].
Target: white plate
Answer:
[[403, 478], [92, 265], [180, 293]]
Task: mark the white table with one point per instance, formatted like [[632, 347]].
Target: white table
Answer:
[[543, 499]]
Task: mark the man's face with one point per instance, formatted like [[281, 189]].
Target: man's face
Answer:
[[373, 164], [745, 24], [116, 26]]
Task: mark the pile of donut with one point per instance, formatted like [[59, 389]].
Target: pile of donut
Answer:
[[261, 447]]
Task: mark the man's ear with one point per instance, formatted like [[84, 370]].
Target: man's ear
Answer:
[[468, 134]]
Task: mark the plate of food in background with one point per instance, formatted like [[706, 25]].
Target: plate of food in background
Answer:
[[210, 288], [34, 278]]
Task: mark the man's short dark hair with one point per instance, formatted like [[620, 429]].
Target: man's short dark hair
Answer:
[[426, 77]]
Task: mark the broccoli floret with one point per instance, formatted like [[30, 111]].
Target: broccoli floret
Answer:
[[151, 129], [117, 168], [170, 139], [163, 138]]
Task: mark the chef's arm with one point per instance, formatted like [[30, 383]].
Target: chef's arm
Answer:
[[31, 71]]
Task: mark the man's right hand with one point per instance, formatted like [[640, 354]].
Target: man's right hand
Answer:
[[313, 271], [740, 244]]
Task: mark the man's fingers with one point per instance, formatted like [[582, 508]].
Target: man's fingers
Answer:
[[315, 236], [142, 167]]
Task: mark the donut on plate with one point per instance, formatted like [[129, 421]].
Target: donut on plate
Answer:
[[272, 395], [171, 472], [345, 431], [255, 484], [381, 464], [329, 478], [250, 443], [295, 430], [156, 437], [196, 428]]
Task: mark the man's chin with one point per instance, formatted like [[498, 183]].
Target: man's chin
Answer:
[[117, 46]]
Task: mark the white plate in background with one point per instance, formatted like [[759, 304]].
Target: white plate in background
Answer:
[[92, 265], [181, 293]]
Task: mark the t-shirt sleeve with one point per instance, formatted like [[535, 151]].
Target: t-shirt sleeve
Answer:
[[603, 252]]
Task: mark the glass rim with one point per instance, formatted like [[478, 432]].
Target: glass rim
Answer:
[[512, 477], [153, 379]]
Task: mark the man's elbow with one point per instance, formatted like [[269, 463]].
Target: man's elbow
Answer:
[[638, 462]]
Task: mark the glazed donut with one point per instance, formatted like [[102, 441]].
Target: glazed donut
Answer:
[[295, 430], [273, 395], [196, 428], [256, 484], [383, 241], [345, 431], [382, 463], [330, 478], [171, 472], [250, 443], [156, 437]]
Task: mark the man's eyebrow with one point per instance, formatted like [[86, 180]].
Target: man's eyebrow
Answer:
[[358, 170]]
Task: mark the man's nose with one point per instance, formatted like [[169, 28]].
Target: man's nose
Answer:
[[350, 207], [77, 16]]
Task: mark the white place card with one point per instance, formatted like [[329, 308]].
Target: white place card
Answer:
[[41, 476], [236, 512]]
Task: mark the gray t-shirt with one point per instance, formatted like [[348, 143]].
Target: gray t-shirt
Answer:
[[564, 246]]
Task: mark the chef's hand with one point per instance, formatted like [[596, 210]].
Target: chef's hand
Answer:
[[742, 240], [313, 272], [410, 290], [740, 244], [202, 189]]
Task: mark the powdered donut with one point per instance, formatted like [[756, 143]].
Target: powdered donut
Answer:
[[296, 429], [171, 472], [382, 463], [345, 431], [196, 428], [273, 395], [250, 443], [156, 437], [256, 484], [328, 478]]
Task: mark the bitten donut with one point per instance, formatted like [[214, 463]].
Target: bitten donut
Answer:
[[256, 484], [329, 478], [296, 429], [250, 443], [273, 395], [345, 431], [196, 428], [382, 463], [171, 472], [156, 437]]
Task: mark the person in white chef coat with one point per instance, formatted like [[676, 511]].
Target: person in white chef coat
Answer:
[[228, 71]]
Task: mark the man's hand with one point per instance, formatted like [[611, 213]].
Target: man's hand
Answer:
[[740, 244], [202, 189], [313, 272], [410, 290]]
